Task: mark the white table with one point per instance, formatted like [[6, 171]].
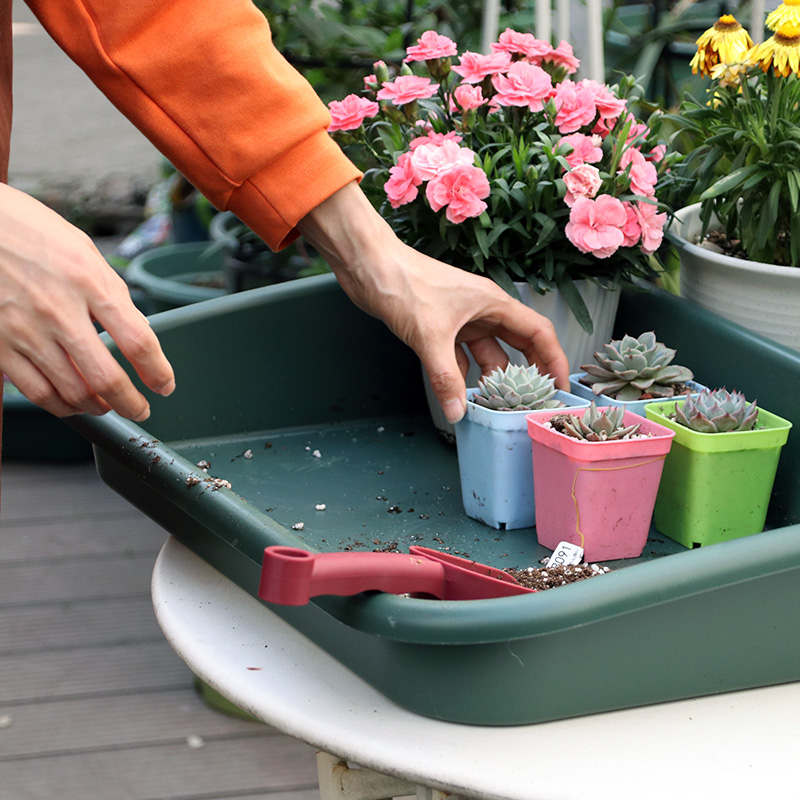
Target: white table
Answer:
[[737, 745]]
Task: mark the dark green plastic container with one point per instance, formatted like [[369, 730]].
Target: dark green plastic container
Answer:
[[177, 275], [299, 399]]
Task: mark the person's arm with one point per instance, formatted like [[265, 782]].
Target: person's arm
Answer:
[[431, 306], [202, 79]]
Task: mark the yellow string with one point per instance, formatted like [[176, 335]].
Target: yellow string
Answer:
[[600, 469]]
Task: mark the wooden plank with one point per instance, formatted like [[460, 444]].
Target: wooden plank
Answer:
[[115, 533], [65, 626], [89, 577], [76, 494], [222, 768], [91, 671], [43, 473], [133, 719]]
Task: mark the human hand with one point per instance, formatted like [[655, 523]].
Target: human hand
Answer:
[[54, 285], [431, 306]]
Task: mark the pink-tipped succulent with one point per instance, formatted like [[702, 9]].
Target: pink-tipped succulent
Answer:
[[516, 388], [597, 424], [717, 411], [630, 368]]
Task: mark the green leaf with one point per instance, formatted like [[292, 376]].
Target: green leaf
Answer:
[[575, 302], [729, 182]]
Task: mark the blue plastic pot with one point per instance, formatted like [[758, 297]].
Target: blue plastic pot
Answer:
[[637, 406], [496, 466]]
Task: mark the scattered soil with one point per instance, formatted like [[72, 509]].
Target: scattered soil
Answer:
[[549, 577]]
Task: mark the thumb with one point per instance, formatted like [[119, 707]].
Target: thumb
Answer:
[[448, 385]]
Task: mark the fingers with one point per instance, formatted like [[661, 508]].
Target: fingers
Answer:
[[446, 382], [53, 285]]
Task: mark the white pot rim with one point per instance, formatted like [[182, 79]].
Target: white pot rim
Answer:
[[682, 217]]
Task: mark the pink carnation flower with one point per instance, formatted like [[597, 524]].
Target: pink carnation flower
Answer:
[[583, 181], [462, 190], [401, 188], [431, 160], [563, 56], [652, 226], [350, 113], [524, 85], [631, 230], [584, 149], [595, 226], [407, 88], [474, 67], [434, 138], [431, 45], [576, 108], [524, 44], [609, 106], [657, 153], [468, 97], [643, 174]]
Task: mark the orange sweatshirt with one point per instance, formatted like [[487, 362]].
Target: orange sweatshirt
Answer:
[[203, 81]]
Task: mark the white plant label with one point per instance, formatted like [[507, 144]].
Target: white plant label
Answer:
[[566, 554]]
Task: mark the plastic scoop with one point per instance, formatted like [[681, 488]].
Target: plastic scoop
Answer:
[[291, 576]]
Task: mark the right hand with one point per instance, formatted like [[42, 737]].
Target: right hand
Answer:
[[54, 285]]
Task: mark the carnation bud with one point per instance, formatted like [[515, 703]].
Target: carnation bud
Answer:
[[381, 72]]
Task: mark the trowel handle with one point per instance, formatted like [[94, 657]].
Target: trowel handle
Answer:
[[291, 576]]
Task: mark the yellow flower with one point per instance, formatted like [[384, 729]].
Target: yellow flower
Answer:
[[726, 42], [788, 11], [729, 74], [781, 51]]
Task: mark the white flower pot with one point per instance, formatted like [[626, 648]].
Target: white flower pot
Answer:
[[578, 345], [762, 297]]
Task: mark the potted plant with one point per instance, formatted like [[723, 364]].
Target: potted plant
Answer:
[[598, 471], [494, 450], [249, 263], [736, 182], [502, 164], [633, 371], [718, 476]]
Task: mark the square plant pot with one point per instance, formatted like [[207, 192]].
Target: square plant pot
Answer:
[[598, 495], [494, 463], [637, 406], [717, 486]]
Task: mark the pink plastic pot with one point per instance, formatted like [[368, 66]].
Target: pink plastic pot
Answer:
[[599, 495]]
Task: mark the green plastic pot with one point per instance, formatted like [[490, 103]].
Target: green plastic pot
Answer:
[[716, 486]]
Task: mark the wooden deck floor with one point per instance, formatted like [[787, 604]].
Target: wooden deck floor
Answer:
[[94, 704]]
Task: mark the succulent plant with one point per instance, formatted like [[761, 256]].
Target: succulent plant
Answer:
[[630, 367], [717, 411], [516, 388], [597, 424]]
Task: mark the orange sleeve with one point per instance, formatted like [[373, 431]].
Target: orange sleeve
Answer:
[[203, 81]]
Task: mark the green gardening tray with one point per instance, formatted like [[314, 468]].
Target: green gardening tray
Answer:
[[300, 401]]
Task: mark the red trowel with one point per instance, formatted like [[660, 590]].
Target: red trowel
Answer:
[[292, 576]]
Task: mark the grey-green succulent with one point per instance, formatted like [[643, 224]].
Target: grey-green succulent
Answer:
[[630, 368], [516, 388], [597, 424], [717, 411]]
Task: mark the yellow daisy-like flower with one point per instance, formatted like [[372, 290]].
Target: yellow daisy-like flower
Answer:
[[786, 12], [781, 51], [729, 74], [726, 42]]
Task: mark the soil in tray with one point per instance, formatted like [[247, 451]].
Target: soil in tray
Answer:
[[368, 485]]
